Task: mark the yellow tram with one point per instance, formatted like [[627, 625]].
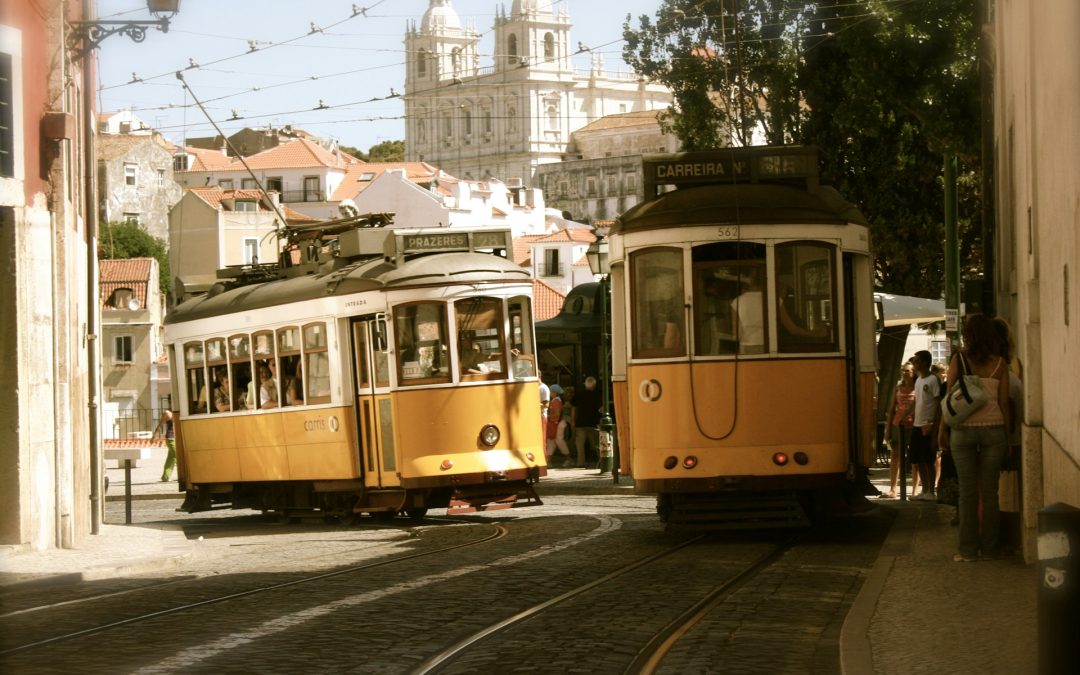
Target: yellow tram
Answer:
[[391, 371], [743, 338]]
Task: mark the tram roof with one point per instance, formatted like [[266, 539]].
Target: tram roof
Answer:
[[740, 203], [368, 275]]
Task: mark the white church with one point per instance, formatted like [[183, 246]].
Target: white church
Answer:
[[504, 119]]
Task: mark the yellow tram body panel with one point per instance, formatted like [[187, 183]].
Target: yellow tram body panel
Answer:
[[783, 405], [308, 444], [444, 423]]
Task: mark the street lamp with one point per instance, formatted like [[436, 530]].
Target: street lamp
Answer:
[[84, 36], [600, 265]]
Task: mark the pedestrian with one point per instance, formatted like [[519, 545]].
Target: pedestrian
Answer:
[[587, 412], [166, 429], [1009, 493], [900, 417], [565, 432], [979, 444], [921, 450], [554, 416], [545, 401]]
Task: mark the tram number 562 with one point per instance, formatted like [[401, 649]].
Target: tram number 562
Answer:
[[727, 232]]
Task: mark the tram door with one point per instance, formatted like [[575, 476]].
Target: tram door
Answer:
[[376, 429]]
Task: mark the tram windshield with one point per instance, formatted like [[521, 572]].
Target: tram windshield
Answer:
[[805, 293], [658, 316], [522, 354], [481, 348], [420, 332], [729, 299]]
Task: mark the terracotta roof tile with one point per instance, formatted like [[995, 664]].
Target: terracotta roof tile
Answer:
[[208, 160], [297, 154], [622, 120], [575, 234], [351, 185], [215, 197], [133, 273], [547, 302], [523, 247]]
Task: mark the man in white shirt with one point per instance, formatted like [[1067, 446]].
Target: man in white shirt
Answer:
[[747, 311], [921, 452]]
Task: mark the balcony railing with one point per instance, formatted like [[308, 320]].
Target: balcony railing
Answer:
[[294, 196], [129, 424]]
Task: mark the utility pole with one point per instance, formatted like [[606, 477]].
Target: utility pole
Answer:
[[952, 258]]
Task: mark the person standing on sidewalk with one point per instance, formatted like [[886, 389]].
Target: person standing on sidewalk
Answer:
[[165, 427], [900, 416], [980, 443], [922, 452], [588, 421]]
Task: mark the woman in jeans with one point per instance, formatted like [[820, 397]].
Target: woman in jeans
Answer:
[[980, 444]]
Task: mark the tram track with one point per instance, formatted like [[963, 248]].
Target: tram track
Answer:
[[653, 651], [500, 531]]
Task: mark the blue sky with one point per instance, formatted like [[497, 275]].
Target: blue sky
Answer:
[[290, 72]]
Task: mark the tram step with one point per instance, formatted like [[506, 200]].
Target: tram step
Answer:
[[731, 512]]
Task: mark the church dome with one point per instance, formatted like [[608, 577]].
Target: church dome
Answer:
[[440, 15]]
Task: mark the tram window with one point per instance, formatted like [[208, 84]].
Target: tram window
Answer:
[[266, 379], [242, 380], [481, 350], [222, 398], [522, 355], [382, 359], [420, 336], [360, 351], [289, 371], [805, 296], [217, 369], [196, 378], [729, 298], [658, 317], [316, 363]]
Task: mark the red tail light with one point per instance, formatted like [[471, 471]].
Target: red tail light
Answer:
[[779, 459]]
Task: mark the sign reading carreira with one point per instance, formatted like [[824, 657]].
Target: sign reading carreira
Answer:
[[697, 169]]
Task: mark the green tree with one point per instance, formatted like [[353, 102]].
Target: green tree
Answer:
[[387, 151], [355, 152], [127, 240]]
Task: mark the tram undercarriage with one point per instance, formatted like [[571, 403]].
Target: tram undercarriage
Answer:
[[347, 499]]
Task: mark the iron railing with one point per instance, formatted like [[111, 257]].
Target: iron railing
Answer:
[[134, 423]]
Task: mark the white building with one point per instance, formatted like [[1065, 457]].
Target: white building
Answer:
[[505, 119]]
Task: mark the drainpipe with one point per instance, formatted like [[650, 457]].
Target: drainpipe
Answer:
[[92, 292]]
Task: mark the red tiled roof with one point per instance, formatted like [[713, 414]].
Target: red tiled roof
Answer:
[[208, 160], [623, 120], [298, 154], [523, 247], [133, 273], [351, 185], [215, 196], [575, 234], [292, 216], [547, 302]]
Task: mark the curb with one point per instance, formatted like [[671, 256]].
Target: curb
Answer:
[[856, 653]]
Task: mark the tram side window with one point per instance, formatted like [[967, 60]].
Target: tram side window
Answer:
[[522, 354], [317, 363], [806, 297], [657, 317], [480, 345], [289, 369], [219, 399], [242, 381], [420, 343], [196, 378], [267, 394]]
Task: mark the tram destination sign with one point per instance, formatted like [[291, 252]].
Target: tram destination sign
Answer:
[[733, 165], [448, 242]]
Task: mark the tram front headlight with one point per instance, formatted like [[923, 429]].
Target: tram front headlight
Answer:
[[489, 435]]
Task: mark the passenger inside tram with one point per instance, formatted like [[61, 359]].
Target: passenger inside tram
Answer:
[[222, 394]]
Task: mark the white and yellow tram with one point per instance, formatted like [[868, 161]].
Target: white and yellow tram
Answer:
[[743, 338], [395, 372]]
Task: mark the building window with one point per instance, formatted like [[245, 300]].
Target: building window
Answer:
[[467, 118], [551, 263], [312, 193], [245, 205], [122, 352], [631, 183], [248, 184], [129, 174], [225, 183], [421, 63], [132, 218], [511, 49], [274, 183], [590, 186], [180, 162], [622, 107], [939, 351], [455, 60], [7, 117], [125, 127], [549, 46], [251, 250], [161, 177], [120, 298], [553, 117]]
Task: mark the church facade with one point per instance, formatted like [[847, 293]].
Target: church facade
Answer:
[[503, 119]]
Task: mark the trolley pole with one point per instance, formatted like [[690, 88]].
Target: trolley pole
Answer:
[[606, 440]]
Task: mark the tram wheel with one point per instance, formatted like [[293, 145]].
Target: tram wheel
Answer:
[[416, 513]]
